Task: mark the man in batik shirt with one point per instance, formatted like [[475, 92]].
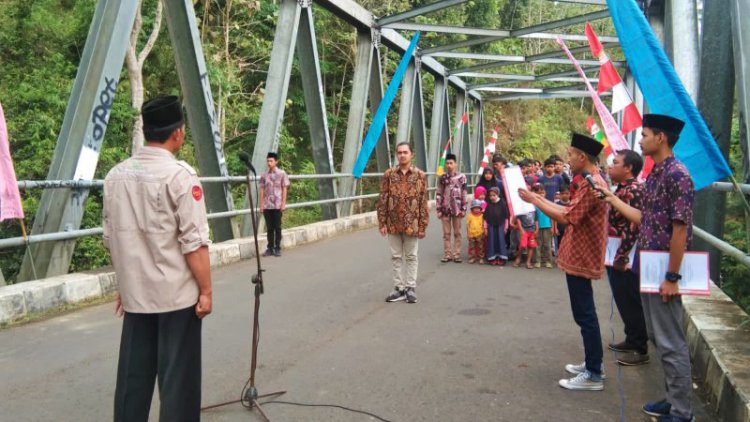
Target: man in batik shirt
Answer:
[[581, 256], [623, 171], [666, 221], [403, 216], [451, 204]]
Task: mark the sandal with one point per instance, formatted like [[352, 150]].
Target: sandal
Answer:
[[457, 260], [529, 266], [516, 264], [445, 259]]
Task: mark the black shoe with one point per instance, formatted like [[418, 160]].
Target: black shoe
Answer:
[[268, 252], [411, 296], [633, 359], [623, 346], [277, 252], [396, 296]]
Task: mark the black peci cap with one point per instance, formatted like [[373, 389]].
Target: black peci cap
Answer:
[[663, 122], [161, 116], [588, 145]]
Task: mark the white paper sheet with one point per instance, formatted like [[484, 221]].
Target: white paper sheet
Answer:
[[694, 271], [613, 243], [513, 180]]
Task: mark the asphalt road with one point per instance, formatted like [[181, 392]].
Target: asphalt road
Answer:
[[483, 344]]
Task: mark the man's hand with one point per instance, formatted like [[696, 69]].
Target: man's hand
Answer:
[[555, 232], [421, 235], [119, 310], [527, 195], [605, 195], [203, 307], [462, 214], [283, 206], [261, 207], [668, 290], [384, 231], [439, 214]]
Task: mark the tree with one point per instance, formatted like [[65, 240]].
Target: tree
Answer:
[[134, 62]]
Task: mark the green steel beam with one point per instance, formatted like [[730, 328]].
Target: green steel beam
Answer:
[[317, 117], [80, 139], [363, 67], [418, 11], [202, 116]]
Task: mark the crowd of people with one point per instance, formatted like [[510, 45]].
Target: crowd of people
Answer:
[[494, 235], [575, 212]]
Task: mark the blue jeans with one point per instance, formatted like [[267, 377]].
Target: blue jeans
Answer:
[[584, 313]]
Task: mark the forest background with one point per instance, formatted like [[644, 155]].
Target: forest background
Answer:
[[41, 43]]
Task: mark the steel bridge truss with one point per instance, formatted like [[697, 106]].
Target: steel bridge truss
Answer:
[[482, 77]]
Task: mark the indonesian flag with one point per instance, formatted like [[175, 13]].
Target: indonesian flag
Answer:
[[609, 79], [441, 165], [488, 151], [10, 198], [599, 135]]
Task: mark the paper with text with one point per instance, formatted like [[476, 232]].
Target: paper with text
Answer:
[[694, 271]]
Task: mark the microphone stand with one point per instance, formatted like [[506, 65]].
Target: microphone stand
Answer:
[[250, 396]]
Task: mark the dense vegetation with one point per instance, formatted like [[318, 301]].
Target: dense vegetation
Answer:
[[41, 43]]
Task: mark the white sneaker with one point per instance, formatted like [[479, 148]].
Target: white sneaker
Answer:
[[583, 381], [579, 369]]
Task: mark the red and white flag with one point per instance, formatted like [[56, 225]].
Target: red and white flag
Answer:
[[609, 79], [621, 98], [10, 198], [614, 135], [488, 151]]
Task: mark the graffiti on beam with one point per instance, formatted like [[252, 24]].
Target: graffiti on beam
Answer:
[[218, 146], [214, 118], [89, 156]]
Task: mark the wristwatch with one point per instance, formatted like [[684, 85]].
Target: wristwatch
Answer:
[[672, 277]]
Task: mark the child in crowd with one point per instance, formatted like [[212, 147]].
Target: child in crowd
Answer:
[[527, 228], [480, 193], [558, 229], [544, 234], [495, 216], [475, 232]]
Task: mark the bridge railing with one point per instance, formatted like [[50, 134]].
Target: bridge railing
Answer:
[[12, 242], [98, 184]]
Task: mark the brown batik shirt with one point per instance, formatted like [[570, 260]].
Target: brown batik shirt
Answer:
[[402, 205]]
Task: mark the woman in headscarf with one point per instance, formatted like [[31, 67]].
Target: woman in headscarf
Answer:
[[495, 217]]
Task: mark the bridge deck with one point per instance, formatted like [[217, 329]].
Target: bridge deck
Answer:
[[482, 344]]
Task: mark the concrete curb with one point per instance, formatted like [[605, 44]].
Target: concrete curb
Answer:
[[719, 341], [20, 300]]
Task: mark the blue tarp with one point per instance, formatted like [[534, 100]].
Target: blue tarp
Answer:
[[665, 94]]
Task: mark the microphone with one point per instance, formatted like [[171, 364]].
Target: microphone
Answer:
[[245, 158], [586, 175]]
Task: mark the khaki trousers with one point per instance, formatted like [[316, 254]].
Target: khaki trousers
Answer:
[[404, 251], [451, 222]]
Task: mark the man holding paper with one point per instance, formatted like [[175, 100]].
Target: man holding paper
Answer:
[[666, 222], [623, 171], [581, 255]]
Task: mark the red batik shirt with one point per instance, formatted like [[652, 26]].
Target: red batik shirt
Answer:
[[584, 243]]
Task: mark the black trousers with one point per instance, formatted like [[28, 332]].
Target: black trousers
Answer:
[[627, 293], [166, 346], [273, 228]]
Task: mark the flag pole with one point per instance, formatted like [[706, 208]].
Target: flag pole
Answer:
[[28, 247]]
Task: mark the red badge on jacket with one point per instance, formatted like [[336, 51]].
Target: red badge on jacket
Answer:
[[197, 193]]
